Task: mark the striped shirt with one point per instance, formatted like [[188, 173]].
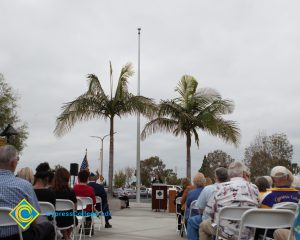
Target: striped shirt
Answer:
[[12, 191]]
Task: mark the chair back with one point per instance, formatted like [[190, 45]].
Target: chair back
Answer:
[[177, 203], [98, 199], [7, 221], [64, 205], [266, 219], [230, 213], [286, 205], [193, 207], [85, 201], [46, 208]]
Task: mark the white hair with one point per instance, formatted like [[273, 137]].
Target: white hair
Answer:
[[236, 169], [7, 153]]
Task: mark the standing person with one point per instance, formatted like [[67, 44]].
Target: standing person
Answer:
[[12, 191], [100, 192], [83, 190], [122, 195], [237, 192], [41, 178], [221, 175], [63, 191]]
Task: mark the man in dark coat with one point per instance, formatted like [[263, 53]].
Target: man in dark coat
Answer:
[[100, 192]]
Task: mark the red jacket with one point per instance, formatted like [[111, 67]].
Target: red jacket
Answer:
[[82, 190]]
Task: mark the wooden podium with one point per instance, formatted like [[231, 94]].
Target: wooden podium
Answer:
[[172, 196], [159, 197]]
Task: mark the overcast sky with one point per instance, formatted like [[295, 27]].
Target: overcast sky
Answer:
[[247, 50]]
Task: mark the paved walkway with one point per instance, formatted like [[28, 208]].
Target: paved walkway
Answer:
[[139, 222]]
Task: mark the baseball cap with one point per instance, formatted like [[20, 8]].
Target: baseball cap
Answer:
[[279, 171], [92, 174]]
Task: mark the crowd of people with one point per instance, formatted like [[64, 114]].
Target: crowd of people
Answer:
[[45, 185], [233, 187]]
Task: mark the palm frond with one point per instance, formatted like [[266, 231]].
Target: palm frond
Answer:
[[159, 124], [122, 88], [94, 87], [219, 107], [225, 129], [83, 108], [186, 88], [137, 104], [196, 136]]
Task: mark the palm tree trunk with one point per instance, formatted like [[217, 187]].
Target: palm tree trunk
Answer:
[[188, 155], [111, 156]]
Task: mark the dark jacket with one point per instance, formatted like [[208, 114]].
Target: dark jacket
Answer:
[[99, 191]]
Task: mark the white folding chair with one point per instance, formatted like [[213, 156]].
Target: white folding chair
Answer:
[[286, 205], [183, 225], [99, 213], [66, 205], [230, 213], [83, 203], [178, 213], [193, 207], [266, 219], [7, 221], [47, 209]]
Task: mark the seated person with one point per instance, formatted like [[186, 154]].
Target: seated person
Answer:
[[237, 192], [262, 185], [123, 195], [186, 188], [282, 191], [83, 190], [221, 175], [100, 192], [27, 174], [40, 186], [63, 191], [12, 191], [199, 182]]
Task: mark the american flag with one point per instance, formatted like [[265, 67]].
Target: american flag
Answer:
[[84, 165]]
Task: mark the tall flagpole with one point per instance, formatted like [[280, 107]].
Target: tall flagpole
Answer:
[[138, 145]]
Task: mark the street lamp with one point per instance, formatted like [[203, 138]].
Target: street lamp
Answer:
[[101, 151]]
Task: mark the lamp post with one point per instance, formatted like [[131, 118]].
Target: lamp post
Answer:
[[101, 151]]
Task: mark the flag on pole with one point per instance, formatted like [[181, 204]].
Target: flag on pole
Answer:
[[84, 165]]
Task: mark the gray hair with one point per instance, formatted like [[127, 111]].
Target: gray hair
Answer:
[[221, 174], [7, 153], [236, 169]]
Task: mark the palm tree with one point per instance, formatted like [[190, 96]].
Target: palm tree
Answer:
[[94, 103], [191, 111]]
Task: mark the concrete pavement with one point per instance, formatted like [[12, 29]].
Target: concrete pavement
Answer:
[[139, 222]]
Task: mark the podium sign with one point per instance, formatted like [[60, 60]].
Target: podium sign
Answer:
[[159, 194], [159, 197]]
